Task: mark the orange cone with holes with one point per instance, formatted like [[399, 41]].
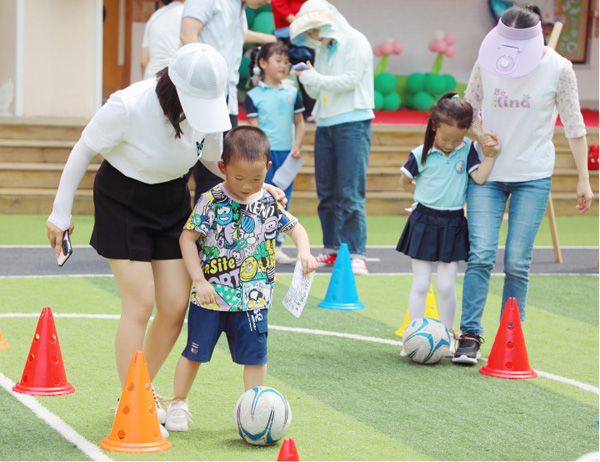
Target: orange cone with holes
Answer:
[[44, 372], [136, 428], [508, 358], [288, 450], [3, 343]]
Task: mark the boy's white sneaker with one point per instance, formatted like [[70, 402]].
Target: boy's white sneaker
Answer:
[[178, 416], [160, 411]]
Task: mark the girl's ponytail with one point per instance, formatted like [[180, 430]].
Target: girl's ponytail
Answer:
[[255, 70]]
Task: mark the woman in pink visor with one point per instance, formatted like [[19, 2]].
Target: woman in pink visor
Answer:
[[516, 85]]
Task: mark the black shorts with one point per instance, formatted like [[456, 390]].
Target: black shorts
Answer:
[[435, 235], [135, 220]]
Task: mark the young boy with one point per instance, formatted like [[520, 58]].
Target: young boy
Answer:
[[235, 223]]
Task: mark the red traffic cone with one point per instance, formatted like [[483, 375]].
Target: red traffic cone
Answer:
[[508, 358], [288, 450], [44, 372]]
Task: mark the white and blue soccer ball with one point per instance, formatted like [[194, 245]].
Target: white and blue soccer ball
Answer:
[[426, 340], [262, 416]]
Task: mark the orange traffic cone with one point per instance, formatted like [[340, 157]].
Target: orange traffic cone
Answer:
[[288, 450], [508, 358], [44, 372], [3, 343], [136, 427]]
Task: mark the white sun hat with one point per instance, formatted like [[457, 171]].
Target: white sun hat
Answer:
[[199, 73]]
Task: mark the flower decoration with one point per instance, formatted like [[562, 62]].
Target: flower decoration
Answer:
[[443, 45], [384, 50]]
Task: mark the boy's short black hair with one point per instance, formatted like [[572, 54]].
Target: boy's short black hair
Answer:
[[247, 143]]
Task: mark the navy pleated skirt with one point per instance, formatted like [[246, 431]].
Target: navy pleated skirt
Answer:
[[435, 235]]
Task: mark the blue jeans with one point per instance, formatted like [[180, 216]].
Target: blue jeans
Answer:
[[341, 157], [278, 158], [485, 208]]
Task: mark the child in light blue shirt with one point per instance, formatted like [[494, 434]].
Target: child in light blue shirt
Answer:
[[275, 106]]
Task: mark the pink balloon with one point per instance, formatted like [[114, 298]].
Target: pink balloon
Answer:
[[387, 48], [450, 51], [398, 47], [377, 51], [433, 46], [450, 39]]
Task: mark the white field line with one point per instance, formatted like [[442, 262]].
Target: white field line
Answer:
[[302, 330], [317, 274], [87, 447]]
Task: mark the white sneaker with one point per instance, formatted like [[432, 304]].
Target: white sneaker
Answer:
[[282, 258], [178, 416], [163, 431], [452, 347], [160, 411]]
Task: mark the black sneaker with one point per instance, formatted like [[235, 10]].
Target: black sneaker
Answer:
[[468, 349]]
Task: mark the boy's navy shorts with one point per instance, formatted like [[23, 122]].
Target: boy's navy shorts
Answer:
[[246, 332]]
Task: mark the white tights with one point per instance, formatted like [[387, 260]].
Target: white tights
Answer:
[[445, 285]]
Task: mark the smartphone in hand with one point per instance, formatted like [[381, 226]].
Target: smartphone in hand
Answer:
[[66, 249], [299, 67]]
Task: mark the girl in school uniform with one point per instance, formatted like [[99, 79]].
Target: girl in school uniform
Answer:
[[437, 173]]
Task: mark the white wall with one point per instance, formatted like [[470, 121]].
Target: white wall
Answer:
[[59, 58], [8, 33]]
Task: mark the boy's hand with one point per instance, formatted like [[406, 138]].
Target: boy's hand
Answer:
[[490, 144], [205, 293], [309, 263], [296, 152]]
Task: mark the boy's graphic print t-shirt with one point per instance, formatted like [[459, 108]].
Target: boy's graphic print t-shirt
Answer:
[[238, 247]]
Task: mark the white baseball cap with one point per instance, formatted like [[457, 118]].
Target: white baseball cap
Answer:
[[511, 52], [199, 73]]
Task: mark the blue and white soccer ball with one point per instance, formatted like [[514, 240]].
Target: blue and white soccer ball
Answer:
[[262, 416], [426, 340]]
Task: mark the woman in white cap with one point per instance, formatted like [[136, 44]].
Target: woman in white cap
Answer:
[[341, 82], [150, 134], [516, 83]]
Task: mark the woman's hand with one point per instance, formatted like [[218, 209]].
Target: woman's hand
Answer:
[[584, 196], [490, 144], [299, 73], [276, 192], [55, 235]]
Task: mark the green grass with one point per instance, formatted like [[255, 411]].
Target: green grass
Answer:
[[350, 399], [382, 230]]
